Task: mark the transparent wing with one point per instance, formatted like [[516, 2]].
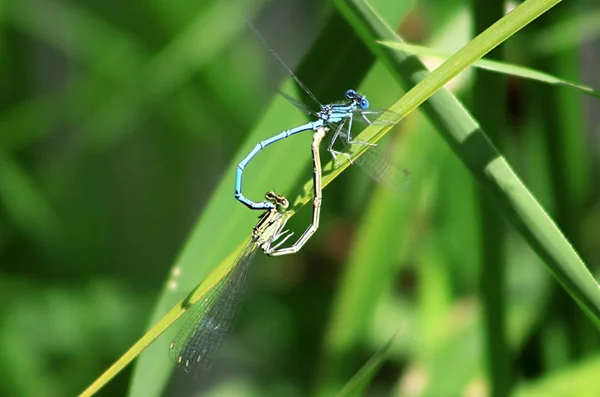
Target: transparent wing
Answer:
[[376, 117], [301, 106], [285, 66], [376, 163], [207, 323]]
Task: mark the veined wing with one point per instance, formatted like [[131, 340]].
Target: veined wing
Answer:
[[301, 106], [207, 323], [383, 169], [286, 67], [377, 164], [377, 117]]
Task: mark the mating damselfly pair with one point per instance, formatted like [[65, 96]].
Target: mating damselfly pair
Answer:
[[208, 322], [339, 117]]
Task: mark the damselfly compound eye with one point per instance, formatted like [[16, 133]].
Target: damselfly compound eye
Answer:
[[351, 94]]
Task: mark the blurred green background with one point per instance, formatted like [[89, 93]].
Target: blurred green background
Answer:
[[120, 127]]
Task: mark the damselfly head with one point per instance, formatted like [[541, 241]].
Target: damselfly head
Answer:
[[281, 203], [360, 100]]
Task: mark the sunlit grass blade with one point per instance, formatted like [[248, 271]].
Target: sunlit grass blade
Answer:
[[225, 222], [468, 140], [167, 320], [360, 381], [206, 325], [448, 325], [464, 136], [378, 165], [497, 66], [381, 239], [580, 380], [490, 108]]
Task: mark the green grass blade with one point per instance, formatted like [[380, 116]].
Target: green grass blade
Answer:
[[207, 244], [223, 225], [359, 382], [457, 127], [225, 222], [447, 325], [470, 144], [581, 380], [372, 262], [489, 106], [568, 166], [164, 323], [497, 66]]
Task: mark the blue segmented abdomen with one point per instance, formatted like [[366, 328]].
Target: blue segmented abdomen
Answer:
[[259, 146]]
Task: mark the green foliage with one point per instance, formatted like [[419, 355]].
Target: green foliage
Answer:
[[121, 128]]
